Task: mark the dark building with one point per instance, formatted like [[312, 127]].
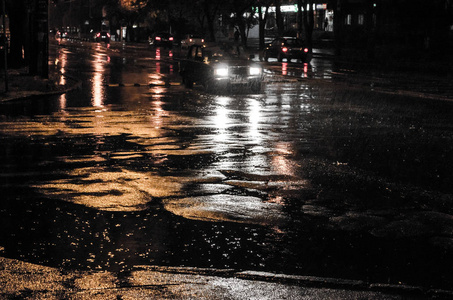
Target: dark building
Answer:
[[395, 27]]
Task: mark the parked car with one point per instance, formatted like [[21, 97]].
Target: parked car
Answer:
[[287, 48], [191, 39], [220, 67], [161, 39], [102, 36]]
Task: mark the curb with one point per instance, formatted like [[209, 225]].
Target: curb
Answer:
[[166, 84], [26, 95], [308, 281]]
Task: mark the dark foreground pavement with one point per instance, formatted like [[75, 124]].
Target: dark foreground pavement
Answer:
[[21, 280]]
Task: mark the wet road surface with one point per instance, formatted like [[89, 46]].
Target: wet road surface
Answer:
[[309, 177]]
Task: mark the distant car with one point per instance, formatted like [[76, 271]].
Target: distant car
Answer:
[[287, 48], [161, 39], [220, 67], [102, 36], [191, 39]]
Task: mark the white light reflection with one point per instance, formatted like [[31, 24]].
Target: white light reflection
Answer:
[[221, 122], [254, 118], [156, 78]]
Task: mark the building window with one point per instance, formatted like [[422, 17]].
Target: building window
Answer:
[[348, 20], [361, 19]]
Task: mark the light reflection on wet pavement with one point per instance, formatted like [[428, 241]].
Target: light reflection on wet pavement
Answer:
[[293, 180]]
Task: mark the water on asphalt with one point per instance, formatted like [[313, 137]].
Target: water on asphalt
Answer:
[[305, 178]]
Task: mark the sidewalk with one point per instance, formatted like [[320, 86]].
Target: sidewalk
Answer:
[[28, 281], [21, 85]]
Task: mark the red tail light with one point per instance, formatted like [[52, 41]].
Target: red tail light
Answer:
[[284, 49], [306, 50], [171, 38], [157, 38], [108, 34], [98, 34]]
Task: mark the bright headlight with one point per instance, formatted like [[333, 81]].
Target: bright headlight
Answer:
[[255, 71], [221, 71]]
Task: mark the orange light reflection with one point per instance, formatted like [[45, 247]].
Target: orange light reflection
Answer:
[[98, 89], [280, 162]]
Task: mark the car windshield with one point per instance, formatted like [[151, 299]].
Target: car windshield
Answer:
[[225, 52], [294, 42]]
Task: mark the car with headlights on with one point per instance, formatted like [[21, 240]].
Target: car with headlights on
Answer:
[[287, 48], [221, 68], [191, 39]]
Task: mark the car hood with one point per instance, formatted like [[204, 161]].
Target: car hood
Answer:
[[232, 62]]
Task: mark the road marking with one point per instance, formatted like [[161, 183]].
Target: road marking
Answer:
[[143, 84]]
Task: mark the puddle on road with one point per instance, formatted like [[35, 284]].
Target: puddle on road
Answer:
[[139, 187], [119, 190], [106, 181], [225, 207]]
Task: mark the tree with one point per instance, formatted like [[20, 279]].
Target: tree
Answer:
[[211, 9], [307, 20], [133, 11], [262, 19], [243, 16], [19, 25], [204, 12], [279, 17]]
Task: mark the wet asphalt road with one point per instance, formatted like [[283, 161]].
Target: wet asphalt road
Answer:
[[316, 175]]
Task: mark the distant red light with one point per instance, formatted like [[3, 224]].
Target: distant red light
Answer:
[[171, 38], [108, 34], [284, 49], [306, 50], [158, 38]]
